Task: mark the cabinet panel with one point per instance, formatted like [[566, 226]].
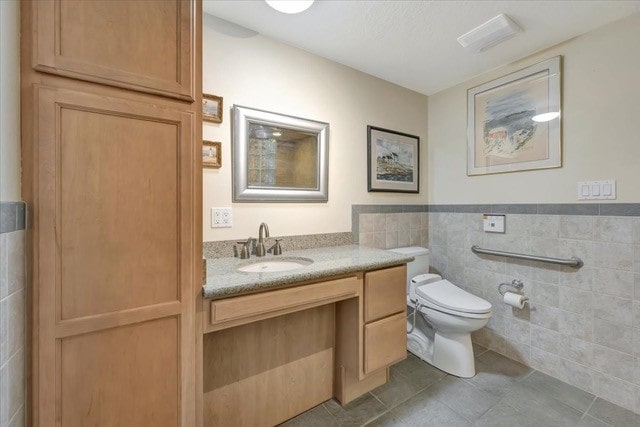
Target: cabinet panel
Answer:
[[116, 231], [141, 45], [385, 342], [127, 376], [234, 311], [115, 261], [266, 372], [117, 182], [384, 292]]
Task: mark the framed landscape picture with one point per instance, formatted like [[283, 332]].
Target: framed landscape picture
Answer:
[[393, 163], [211, 154], [211, 108], [513, 123]]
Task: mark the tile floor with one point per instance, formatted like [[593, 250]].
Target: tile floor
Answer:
[[503, 393]]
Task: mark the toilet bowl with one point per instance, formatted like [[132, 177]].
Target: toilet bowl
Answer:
[[441, 317], [453, 314]]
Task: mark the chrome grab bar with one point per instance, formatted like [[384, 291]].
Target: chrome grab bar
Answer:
[[572, 262]]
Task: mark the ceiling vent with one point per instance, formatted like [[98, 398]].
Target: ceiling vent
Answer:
[[489, 34]]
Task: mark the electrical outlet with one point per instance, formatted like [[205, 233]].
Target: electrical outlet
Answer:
[[221, 218]]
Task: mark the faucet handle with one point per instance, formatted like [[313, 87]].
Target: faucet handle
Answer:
[[276, 249], [245, 251]]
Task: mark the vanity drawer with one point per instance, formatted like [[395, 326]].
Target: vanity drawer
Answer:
[[249, 308], [385, 292], [385, 342]]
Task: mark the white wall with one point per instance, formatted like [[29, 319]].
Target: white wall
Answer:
[[600, 119], [10, 101], [262, 73]]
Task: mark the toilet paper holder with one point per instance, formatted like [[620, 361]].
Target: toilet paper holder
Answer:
[[518, 285], [515, 283]]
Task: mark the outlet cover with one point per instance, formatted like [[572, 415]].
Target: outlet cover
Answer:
[[221, 218], [493, 223]]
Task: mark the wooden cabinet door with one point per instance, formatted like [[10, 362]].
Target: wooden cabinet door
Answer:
[[144, 45], [385, 342], [114, 251], [385, 292]]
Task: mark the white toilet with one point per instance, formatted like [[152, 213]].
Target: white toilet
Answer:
[[440, 331]]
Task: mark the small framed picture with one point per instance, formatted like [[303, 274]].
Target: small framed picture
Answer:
[[211, 154], [211, 108], [393, 163]]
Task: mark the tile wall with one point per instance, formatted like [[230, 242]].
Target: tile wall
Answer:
[[392, 230], [12, 315], [582, 325]]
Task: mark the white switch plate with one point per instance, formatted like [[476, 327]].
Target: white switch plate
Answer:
[[493, 223], [597, 190], [221, 218]]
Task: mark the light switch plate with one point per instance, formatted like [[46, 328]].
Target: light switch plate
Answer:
[[493, 223], [597, 190], [221, 218]]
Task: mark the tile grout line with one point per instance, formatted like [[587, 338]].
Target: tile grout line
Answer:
[[333, 417], [589, 407]]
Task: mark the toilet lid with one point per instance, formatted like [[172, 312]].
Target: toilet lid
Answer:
[[446, 294]]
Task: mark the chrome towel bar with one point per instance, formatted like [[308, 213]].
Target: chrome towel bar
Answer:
[[572, 262]]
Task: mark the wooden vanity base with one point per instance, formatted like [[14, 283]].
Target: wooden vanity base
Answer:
[[270, 356], [264, 373]]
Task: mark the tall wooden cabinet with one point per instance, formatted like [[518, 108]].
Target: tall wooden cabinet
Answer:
[[111, 100]]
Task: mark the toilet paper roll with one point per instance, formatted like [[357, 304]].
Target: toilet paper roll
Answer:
[[514, 300]]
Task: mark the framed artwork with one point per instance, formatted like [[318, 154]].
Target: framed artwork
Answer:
[[393, 163], [513, 123], [211, 154], [211, 108]]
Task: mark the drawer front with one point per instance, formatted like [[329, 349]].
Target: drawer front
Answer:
[[385, 292], [277, 302], [385, 342]]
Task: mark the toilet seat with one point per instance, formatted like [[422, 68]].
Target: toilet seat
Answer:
[[446, 297]]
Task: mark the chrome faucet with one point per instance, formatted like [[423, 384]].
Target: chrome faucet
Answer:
[[260, 250]]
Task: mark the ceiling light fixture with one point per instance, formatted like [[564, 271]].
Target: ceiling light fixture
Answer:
[[546, 117], [492, 32], [290, 6]]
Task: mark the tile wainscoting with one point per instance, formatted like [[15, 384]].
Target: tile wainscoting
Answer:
[[12, 314], [582, 325]]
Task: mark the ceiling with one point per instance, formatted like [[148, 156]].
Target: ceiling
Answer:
[[413, 43]]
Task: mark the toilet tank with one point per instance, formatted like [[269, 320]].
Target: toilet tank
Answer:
[[421, 263]]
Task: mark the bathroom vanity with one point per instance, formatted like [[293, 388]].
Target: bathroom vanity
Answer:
[[277, 344]]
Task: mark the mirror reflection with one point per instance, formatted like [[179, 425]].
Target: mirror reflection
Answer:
[[281, 157]]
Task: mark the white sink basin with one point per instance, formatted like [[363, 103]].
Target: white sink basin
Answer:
[[273, 266]]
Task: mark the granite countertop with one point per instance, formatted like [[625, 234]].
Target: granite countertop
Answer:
[[223, 279]]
